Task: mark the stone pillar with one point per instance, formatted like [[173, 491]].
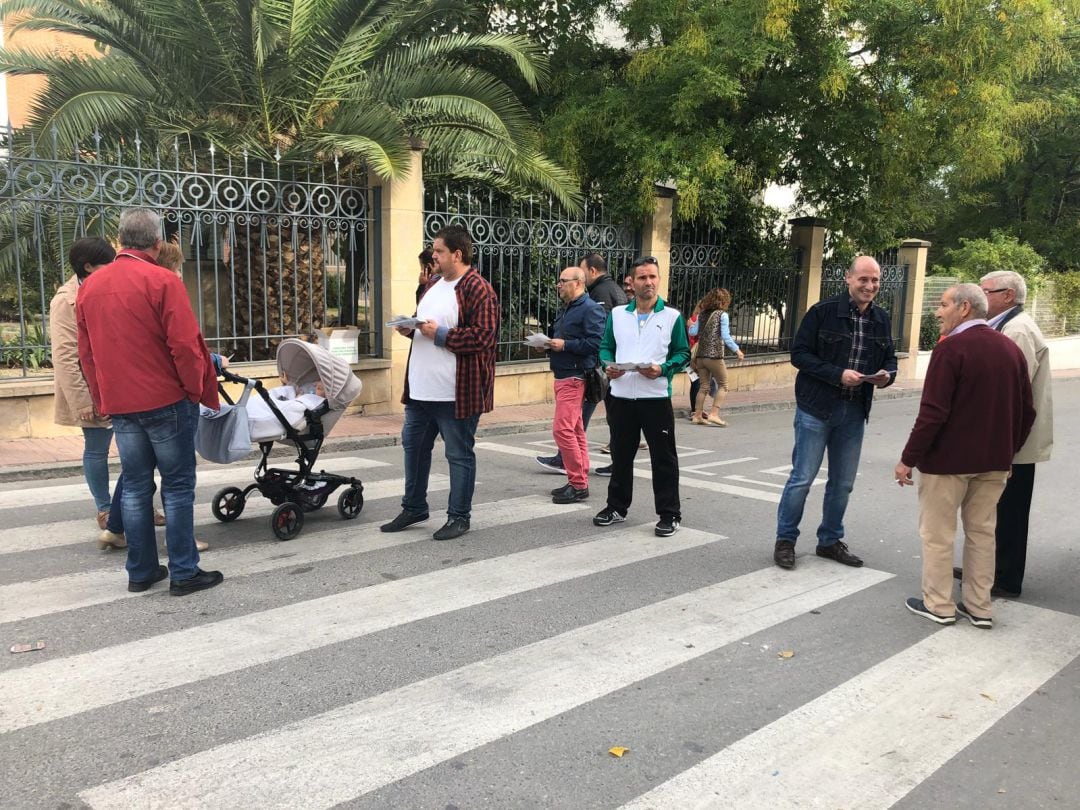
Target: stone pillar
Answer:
[[913, 253], [401, 232], [808, 236], [656, 234]]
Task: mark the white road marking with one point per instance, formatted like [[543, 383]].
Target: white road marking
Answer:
[[205, 476], [713, 486], [25, 600], [702, 468], [352, 750], [67, 686], [773, 484], [77, 532], [880, 734]]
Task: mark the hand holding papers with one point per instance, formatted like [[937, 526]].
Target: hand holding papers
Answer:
[[403, 322], [537, 340], [629, 366], [879, 377]]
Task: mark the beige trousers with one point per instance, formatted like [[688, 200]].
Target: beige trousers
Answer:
[[976, 497]]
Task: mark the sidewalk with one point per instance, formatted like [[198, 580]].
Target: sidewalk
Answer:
[[22, 459]]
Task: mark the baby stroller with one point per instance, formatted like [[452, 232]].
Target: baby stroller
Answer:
[[304, 421]]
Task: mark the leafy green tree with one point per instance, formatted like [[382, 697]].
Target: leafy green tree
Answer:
[[977, 257]]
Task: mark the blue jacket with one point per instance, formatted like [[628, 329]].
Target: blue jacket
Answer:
[[821, 350], [581, 325]]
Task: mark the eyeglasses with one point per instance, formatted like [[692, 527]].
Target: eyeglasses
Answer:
[[565, 281], [999, 289], [645, 260]]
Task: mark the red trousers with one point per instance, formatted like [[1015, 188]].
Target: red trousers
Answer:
[[569, 431]]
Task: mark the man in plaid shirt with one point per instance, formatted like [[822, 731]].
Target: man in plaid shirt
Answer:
[[843, 351], [449, 382]]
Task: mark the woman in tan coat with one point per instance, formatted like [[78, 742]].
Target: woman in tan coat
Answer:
[[73, 404]]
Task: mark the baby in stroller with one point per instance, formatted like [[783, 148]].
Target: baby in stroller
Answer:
[[317, 388]]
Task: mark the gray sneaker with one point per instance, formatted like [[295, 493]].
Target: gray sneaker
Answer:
[[551, 464]]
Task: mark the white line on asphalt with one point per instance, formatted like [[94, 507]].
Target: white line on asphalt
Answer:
[[714, 486], [68, 686], [25, 600], [772, 484], [887, 729], [39, 495], [75, 532], [349, 751], [701, 468]]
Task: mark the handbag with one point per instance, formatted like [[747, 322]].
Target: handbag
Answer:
[[596, 385], [223, 436]]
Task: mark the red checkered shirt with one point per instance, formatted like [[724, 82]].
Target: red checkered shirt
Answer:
[[473, 342]]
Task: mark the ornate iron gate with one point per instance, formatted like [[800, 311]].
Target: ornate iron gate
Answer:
[[892, 295]]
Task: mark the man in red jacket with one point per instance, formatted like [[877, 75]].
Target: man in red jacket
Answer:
[[147, 367], [975, 414]]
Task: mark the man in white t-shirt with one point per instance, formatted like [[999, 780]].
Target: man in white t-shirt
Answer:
[[449, 382]]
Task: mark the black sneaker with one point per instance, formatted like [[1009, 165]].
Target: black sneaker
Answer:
[[403, 521], [982, 622], [200, 582], [604, 471], [607, 516], [666, 526], [839, 551], [918, 607], [551, 464], [562, 489], [454, 527], [571, 495], [139, 587], [784, 554]]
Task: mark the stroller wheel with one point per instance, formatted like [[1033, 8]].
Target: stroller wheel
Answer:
[[287, 521], [228, 504], [350, 502]]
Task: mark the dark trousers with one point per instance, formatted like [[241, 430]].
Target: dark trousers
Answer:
[[1012, 528], [629, 419]]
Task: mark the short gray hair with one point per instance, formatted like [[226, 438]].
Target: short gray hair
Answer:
[[1009, 280], [140, 228], [973, 294]]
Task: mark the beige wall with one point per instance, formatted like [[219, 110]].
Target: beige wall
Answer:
[[22, 90]]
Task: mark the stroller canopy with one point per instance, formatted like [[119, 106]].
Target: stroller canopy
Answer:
[[303, 363]]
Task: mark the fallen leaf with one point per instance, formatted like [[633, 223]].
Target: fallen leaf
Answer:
[[786, 654], [991, 698], [947, 716], [618, 751], [1001, 790]]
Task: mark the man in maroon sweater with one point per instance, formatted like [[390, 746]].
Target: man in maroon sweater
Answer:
[[975, 414]]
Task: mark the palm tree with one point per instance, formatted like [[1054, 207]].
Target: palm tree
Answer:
[[300, 81]]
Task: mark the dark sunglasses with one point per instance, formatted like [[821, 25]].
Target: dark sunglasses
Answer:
[[645, 260]]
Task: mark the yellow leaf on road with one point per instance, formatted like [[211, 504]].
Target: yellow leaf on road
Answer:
[[618, 751], [786, 654]]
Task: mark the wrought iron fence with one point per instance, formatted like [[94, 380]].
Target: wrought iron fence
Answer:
[[763, 298], [272, 250], [521, 246], [891, 296]]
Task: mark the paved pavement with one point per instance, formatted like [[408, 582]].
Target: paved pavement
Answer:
[[357, 669]]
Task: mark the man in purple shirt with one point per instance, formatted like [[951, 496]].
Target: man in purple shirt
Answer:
[[975, 414]]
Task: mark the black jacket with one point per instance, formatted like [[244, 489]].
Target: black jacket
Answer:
[[581, 325], [821, 350], [605, 290]]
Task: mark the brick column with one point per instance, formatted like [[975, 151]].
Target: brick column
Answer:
[[808, 236], [401, 229], [913, 253]]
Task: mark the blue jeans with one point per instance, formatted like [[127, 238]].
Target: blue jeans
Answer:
[[95, 462], [842, 437], [423, 422], [587, 409], [163, 438]]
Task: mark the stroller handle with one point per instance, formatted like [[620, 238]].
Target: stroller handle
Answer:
[[228, 376]]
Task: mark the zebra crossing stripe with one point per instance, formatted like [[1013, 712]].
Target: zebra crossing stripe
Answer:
[[26, 600], [891, 726], [68, 686], [347, 752], [41, 536], [205, 476], [693, 483]]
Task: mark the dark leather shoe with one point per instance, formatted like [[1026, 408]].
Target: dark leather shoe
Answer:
[[561, 490], [454, 527], [784, 554], [957, 572], [404, 521], [139, 587], [571, 495], [200, 582], [1001, 593], [839, 551]]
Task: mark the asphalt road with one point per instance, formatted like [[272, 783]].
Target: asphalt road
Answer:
[[351, 668]]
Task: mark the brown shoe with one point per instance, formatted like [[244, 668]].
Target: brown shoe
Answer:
[[839, 551], [159, 519], [784, 554], [109, 539]]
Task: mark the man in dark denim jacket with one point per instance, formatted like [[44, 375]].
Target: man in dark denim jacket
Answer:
[[843, 351]]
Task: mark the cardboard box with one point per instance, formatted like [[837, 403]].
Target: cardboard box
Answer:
[[341, 342]]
